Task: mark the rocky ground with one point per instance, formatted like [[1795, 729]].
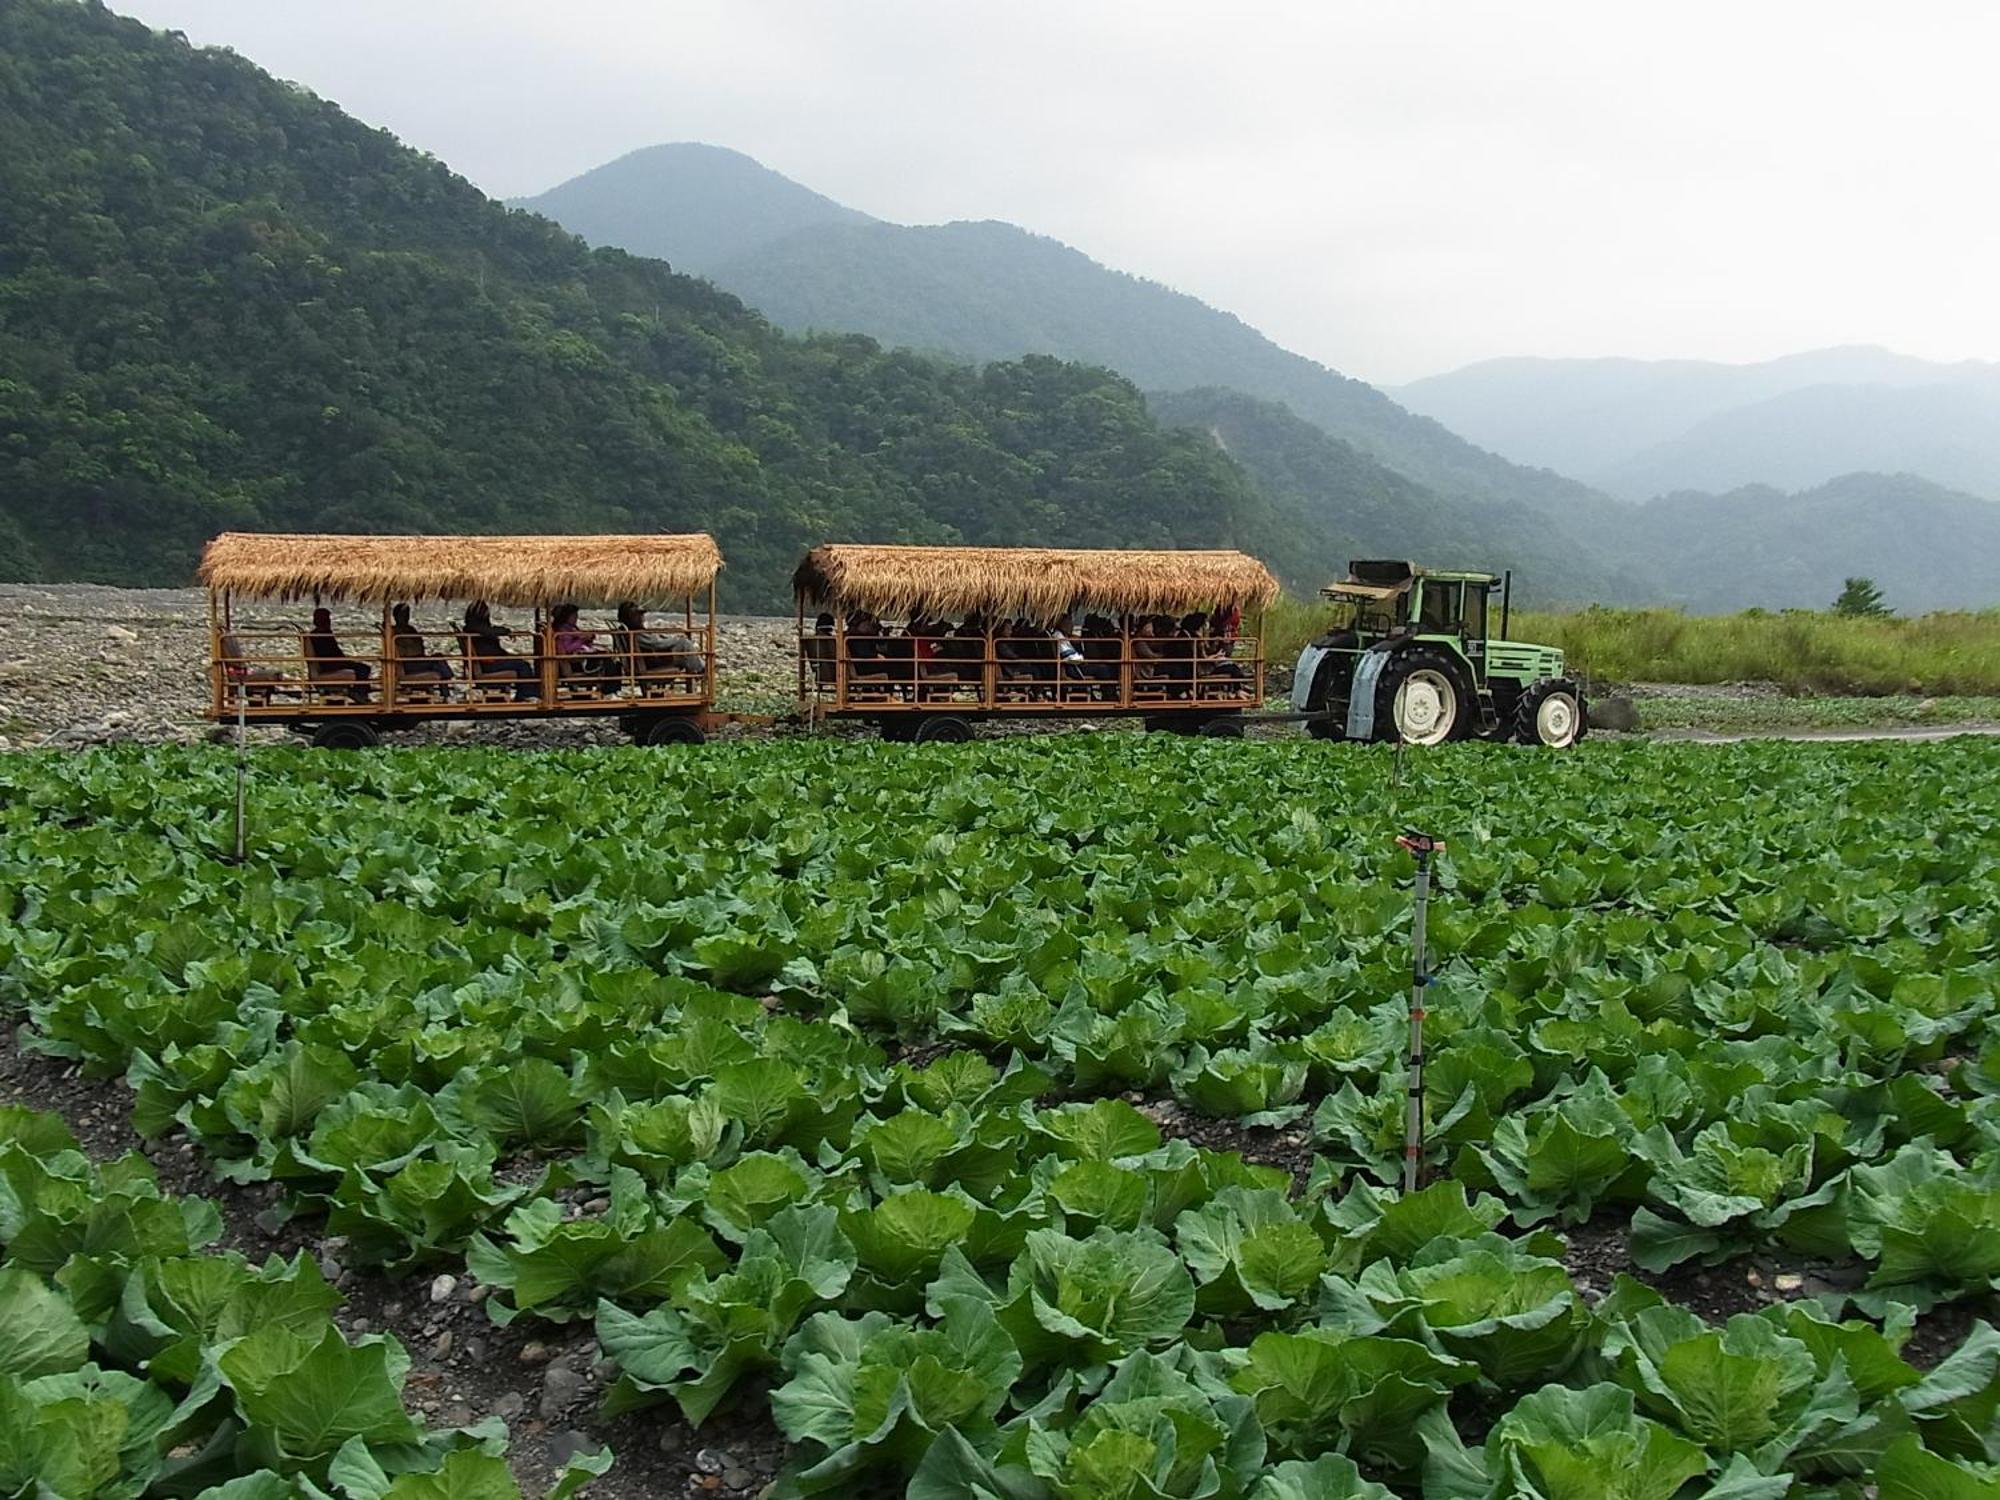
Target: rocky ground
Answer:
[[85, 664], [82, 664]]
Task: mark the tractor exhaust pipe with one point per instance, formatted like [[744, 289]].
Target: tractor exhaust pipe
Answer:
[[1506, 601]]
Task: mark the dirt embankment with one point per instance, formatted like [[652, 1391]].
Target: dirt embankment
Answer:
[[82, 664]]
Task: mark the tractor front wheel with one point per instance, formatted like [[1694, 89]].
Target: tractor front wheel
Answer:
[[1551, 713], [1421, 700]]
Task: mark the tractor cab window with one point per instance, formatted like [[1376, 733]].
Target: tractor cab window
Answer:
[[1475, 611], [1439, 612]]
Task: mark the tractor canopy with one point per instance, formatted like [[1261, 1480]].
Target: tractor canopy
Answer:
[[1378, 579]]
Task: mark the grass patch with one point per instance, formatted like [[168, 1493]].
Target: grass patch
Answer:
[[1721, 712], [1803, 651]]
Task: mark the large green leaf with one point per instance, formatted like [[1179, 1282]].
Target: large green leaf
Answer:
[[313, 1395], [1589, 1445], [40, 1334]]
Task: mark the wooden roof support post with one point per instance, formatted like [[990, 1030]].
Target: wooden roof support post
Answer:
[[218, 676], [545, 658], [708, 655], [392, 664], [839, 660]]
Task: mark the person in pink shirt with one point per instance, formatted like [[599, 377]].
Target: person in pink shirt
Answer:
[[577, 652]]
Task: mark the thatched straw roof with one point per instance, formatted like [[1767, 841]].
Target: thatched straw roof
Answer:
[[516, 570], [1037, 582]]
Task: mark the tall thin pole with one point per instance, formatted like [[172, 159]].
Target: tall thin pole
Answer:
[[242, 764], [1421, 847]]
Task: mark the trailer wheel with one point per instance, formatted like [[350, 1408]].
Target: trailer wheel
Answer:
[[346, 734], [945, 729], [1551, 713], [1222, 729], [897, 731], [670, 729]]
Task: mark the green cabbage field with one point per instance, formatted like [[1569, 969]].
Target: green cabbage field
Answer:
[[1023, 1120]]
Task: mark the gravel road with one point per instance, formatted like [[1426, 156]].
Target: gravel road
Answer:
[[86, 664], [83, 664]]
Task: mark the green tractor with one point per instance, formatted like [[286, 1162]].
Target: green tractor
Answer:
[[1415, 662]]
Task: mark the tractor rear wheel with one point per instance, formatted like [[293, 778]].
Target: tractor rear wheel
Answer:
[[1422, 699], [1552, 713]]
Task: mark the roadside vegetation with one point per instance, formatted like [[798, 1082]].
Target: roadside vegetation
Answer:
[[1802, 651], [1726, 712]]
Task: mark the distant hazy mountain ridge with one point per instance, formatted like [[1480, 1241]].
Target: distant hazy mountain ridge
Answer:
[[696, 207], [1642, 428]]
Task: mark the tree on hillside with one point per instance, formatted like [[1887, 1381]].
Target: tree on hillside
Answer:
[[1861, 599]]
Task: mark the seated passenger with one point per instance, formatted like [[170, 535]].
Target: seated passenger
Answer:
[[1161, 653], [1208, 655], [578, 655], [413, 663], [818, 648], [1100, 641], [488, 656], [326, 662], [1071, 659], [863, 639], [660, 653], [257, 678], [968, 642]]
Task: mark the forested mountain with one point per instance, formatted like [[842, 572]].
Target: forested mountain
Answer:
[[1639, 428], [224, 303], [989, 290], [1926, 546]]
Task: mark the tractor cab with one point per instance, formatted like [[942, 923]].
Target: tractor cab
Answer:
[[1415, 657], [1390, 596]]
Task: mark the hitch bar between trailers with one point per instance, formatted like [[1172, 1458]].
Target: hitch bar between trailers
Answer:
[[1306, 716]]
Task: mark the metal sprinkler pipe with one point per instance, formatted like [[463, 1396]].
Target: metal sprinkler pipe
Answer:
[[1421, 846], [242, 766]]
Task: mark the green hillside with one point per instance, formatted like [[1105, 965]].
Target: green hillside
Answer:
[[991, 290], [224, 303], [1366, 509], [1927, 547]]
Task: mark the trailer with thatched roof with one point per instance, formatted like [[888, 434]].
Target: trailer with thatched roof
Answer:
[[928, 641], [377, 667]]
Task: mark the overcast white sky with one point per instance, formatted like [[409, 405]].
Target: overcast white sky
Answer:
[[1394, 188]]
